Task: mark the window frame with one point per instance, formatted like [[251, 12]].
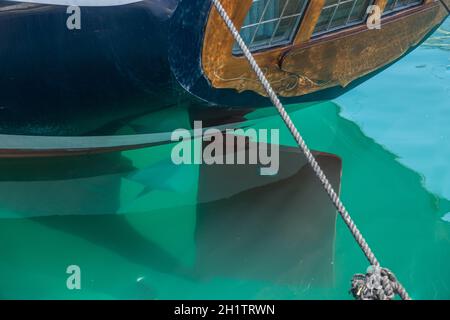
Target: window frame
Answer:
[[343, 27], [271, 44], [401, 8]]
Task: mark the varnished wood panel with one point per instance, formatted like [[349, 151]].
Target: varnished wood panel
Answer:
[[309, 65], [311, 16], [341, 60], [224, 70], [381, 3]]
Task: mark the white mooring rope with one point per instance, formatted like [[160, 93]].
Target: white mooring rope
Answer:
[[378, 283]]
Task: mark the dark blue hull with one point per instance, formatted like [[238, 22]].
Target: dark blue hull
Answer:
[[126, 61], [56, 81]]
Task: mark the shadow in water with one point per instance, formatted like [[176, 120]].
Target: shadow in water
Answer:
[[61, 186], [274, 228], [78, 195]]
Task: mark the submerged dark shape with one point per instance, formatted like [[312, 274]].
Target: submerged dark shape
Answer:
[[274, 228]]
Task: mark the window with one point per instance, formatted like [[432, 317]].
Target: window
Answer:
[[395, 5], [271, 23], [338, 14]]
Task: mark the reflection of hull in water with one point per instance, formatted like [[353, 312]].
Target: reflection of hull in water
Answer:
[[144, 56], [286, 238], [279, 228]]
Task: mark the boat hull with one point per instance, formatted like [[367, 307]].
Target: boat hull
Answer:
[[125, 61], [56, 81]]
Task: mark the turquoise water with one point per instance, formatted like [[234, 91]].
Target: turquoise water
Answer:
[[131, 220]]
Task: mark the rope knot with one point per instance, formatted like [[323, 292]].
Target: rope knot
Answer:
[[377, 284]]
